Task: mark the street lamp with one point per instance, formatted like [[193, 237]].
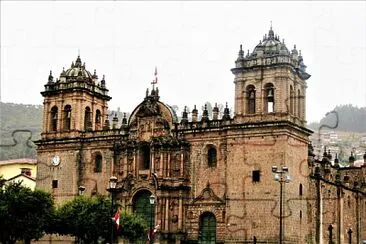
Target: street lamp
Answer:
[[112, 189], [152, 203], [280, 175]]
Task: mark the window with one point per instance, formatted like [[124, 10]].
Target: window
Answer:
[[144, 157], [87, 120], [67, 117], [256, 175], [292, 101], [269, 98], [211, 156], [250, 99], [26, 171], [300, 189], [299, 103], [207, 231], [98, 117], [54, 112], [98, 159], [54, 184]]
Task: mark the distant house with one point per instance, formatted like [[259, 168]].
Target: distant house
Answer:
[[16, 170]]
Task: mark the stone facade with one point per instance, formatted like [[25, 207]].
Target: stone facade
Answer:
[[212, 177]]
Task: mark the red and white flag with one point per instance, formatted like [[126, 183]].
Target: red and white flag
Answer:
[[116, 219]]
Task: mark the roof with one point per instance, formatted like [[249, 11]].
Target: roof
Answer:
[[19, 161], [22, 175]]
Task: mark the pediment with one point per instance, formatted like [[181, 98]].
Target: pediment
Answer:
[[208, 196]]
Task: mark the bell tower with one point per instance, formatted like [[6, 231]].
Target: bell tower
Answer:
[[68, 153], [270, 83], [75, 102]]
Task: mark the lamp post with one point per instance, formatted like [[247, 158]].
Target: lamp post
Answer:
[[112, 189], [280, 175], [81, 190], [152, 203]]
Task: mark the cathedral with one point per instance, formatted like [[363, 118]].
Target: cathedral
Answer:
[[242, 176]]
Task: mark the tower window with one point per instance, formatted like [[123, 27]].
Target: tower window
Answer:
[[269, 98], [256, 175], [299, 103], [292, 101], [97, 116], [54, 112], [251, 99], [67, 117], [54, 184], [87, 119], [98, 160], [211, 157], [300, 189]]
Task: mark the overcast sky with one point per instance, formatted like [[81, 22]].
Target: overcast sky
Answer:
[[193, 44]]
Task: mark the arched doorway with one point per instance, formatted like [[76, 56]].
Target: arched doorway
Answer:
[[207, 232], [142, 206]]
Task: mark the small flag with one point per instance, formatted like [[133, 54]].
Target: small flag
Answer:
[[116, 219]]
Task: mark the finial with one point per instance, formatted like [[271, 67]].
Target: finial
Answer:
[[248, 53], [95, 72], [241, 47], [295, 46], [271, 24], [78, 52], [63, 69], [103, 77], [300, 52], [155, 80], [283, 41]]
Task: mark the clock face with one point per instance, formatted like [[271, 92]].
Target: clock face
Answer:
[[56, 160]]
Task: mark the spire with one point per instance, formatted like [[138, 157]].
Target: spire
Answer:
[[271, 33], [241, 52], [78, 61], [184, 115], [50, 77], [205, 114], [226, 115], [194, 114]]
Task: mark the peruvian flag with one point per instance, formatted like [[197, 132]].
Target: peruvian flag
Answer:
[[116, 219]]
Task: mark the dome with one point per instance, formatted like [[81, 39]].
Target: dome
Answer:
[[77, 70], [270, 45]]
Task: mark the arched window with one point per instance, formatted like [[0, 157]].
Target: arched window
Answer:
[[142, 206], [67, 117], [98, 163], [269, 98], [292, 101], [250, 99], [87, 119], [54, 115], [98, 116], [299, 104], [144, 157], [211, 156], [207, 232]]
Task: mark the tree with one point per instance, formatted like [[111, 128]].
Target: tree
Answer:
[[87, 218], [133, 227], [24, 214], [90, 219]]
